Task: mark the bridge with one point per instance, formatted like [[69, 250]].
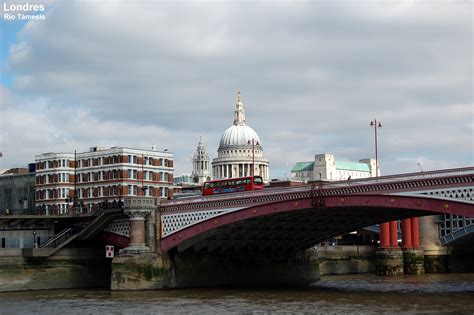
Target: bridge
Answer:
[[262, 235], [296, 218]]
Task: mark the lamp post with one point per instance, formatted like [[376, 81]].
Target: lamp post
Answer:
[[253, 143], [376, 124], [419, 165]]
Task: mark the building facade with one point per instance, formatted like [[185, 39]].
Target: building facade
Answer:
[[240, 150], [201, 164], [17, 191], [100, 175], [325, 167]]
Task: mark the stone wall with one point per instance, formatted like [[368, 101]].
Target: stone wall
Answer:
[[335, 260], [72, 268]]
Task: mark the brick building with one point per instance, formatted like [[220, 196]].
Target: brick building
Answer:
[[101, 175]]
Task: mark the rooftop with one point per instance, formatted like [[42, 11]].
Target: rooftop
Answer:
[[303, 166]]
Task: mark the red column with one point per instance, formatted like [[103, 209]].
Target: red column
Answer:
[[393, 234], [384, 235], [406, 233], [415, 232]]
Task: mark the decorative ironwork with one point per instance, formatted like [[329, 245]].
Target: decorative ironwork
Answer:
[[316, 195], [455, 184]]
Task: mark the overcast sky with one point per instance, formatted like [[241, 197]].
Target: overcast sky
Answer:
[[312, 74]]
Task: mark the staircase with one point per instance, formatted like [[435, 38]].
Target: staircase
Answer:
[[58, 241]]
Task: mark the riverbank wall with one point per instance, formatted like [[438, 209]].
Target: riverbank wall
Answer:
[[344, 259], [88, 268], [69, 268]]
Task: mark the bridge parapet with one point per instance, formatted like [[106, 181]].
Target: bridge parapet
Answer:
[[413, 183], [453, 185]]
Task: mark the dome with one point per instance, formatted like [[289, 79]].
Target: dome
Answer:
[[240, 152], [237, 135]]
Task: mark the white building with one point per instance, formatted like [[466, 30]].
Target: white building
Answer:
[[201, 164], [325, 167], [240, 148]]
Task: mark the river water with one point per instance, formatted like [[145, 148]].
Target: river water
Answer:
[[357, 294]]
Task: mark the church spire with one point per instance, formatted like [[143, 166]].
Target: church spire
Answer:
[[239, 119]]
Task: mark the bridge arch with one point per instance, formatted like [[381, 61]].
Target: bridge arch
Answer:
[[300, 223]]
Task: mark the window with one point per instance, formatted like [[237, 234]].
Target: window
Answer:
[[130, 191], [13, 243], [129, 173]]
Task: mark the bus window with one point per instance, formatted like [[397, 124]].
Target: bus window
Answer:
[[258, 180]]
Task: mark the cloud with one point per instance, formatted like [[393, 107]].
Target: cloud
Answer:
[[312, 76]]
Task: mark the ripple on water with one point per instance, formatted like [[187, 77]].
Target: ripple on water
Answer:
[[433, 283], [355, 294]]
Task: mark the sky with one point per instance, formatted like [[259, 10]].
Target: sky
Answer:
[[312, 75]]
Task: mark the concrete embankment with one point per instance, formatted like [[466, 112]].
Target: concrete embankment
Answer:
[[88, 268], [69, 268], [335, 260]]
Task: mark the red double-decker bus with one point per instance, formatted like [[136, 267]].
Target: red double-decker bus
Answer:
[[231, 185]]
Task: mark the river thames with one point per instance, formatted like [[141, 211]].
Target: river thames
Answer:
[[356, 294]]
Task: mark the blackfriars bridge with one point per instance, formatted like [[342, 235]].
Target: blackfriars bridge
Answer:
[[262, 235]]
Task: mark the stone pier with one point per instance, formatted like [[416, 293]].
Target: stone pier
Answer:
[[436, 256], [141, 265], [137, 209], [413, 257], [389, 257]]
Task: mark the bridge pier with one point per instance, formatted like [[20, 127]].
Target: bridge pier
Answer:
[[389, 257], [191, 269], [137, 208], [137, 267], [413, 258], [436, 256]]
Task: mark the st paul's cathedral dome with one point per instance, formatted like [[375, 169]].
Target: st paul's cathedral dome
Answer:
[[240, 148]]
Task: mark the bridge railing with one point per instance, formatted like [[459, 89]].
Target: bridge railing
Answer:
[[399, 177], [325, 185], [58, 238]]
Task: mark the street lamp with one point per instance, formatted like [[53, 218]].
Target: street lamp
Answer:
[[376, 124], [253, 143], [419, 165]]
